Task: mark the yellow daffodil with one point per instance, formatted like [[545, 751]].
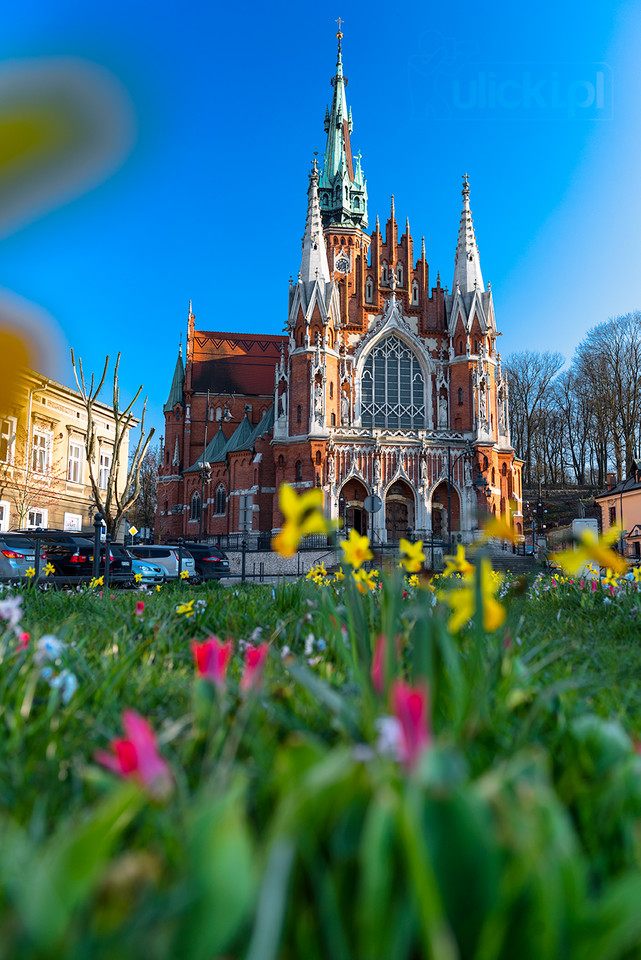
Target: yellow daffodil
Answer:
[[186, 608], [610, 578], [356, 550], [636, 573], [49, 568], [96, 582], [317, 573], [591, 548], [412, 556], [138, 577], [365, 580], [303, 515], [184, 574], [413, 580], [339, 575], [158, 587], [458, 564], [30, 572], [462, 600]]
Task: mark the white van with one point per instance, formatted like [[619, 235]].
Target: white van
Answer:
[[165, 557]]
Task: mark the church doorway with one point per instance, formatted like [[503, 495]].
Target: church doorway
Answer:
[[440, 526], [352, 511], [399, 511]]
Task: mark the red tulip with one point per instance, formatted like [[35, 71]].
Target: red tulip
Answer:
[[137, 757], [23, 641], [411, 708], [255, 658], [378, 663], [140, 606], [212, 659]]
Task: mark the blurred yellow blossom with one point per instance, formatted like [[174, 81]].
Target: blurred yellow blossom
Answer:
[[356, 549], [462, 599], [592, 549], [303, 516], [412, 556], [458, 564]]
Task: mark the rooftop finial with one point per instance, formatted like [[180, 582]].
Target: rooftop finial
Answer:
[[466, 187], [339, 21], [393, 210], [423, 248], [190, 310]]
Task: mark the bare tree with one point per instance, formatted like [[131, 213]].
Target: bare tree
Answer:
[[143, 512], [27, 484], [530, 377], [113, 499]]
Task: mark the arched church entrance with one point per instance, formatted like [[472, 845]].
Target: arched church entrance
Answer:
[[399, 511], [440, 529], [353, 513]]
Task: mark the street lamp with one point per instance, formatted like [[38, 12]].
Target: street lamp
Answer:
[[450, 468], [205, 475], [341, 510]]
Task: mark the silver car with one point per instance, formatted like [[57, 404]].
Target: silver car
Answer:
[[17, 554], [165, 557]]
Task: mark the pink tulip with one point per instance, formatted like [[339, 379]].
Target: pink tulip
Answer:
[[378, 663], [140, 608], [410, 706], [212, 659], [594, 586], [137, 757], [255, 659], [23, 641]]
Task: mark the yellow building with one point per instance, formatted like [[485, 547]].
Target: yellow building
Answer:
[[621, 507], [44, 475]]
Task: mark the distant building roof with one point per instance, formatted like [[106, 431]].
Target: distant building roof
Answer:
[[624, 486], [235, 362]]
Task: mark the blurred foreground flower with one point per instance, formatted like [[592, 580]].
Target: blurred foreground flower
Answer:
[[356, 549], [412, 556], [365, 580], [11, 610], [48, 648], [137, 756], [255, 659], [140, 608], [303, 515], [212, 659], [411, 708], [590, 548], [458, 563], [462, 599], [187, 609]]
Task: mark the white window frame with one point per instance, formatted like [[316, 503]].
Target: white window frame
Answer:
[[41, 451], [5, 510], [399, 274], [8, 432], [414, 293], [75, 461], [31, 522], [104, 467], [369, 290]]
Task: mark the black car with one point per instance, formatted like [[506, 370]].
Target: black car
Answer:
[[211, 562], [72, 556]]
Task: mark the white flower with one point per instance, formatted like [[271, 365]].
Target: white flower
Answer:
[[390, 737], [48, 647], [11, 610], [309, 644], [67, 683]]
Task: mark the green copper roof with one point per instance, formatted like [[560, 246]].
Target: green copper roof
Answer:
[[265, 425], [342, 188], [213, 452], [240, 437], [176, 392], [243, 438]]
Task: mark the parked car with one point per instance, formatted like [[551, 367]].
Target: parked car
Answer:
[[211, 562], [165, 557], [72, 556], [17, 554], [149, 572]]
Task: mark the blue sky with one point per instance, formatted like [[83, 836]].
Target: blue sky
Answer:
[[539, 105]]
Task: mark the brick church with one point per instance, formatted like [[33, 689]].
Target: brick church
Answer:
[[382, 387]]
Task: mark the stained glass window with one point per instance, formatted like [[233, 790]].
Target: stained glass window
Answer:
[[392, 387]]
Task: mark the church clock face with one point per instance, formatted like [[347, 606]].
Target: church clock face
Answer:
[[342, 265]]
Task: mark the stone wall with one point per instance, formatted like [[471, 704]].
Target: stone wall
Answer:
[[275, 565]]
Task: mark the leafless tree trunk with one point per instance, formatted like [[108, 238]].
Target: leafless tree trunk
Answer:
[[115, 499]]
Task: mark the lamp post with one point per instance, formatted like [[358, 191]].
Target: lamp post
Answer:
[[341, 511], [450, 475], [205, 475]]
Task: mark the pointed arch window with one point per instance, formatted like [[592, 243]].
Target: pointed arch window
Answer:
[[460, 396], [384, 272], [369, 290], [220, 501], [392, 387], [194, 511], [414, 294], [299, 470], [399, 274]]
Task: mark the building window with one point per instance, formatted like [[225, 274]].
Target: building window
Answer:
[[105, 469], [333, 419], [75, 460], [194, 509], [245, 512], [299, 414], [36, 518], [40, 446], [7, 439], [415, 294], [299, 470], [331, 390], [166, 456], [4, 514], [219, 413], [460, 346], [612, 516], [219, 504], [384, 272], [399, 274], [369, 290], [318, 457], [460, 396], [166, 506], [392, 387]]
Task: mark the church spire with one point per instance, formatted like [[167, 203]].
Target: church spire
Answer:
[[314, 263], [467, 265], [176, 391], [343, 191]]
